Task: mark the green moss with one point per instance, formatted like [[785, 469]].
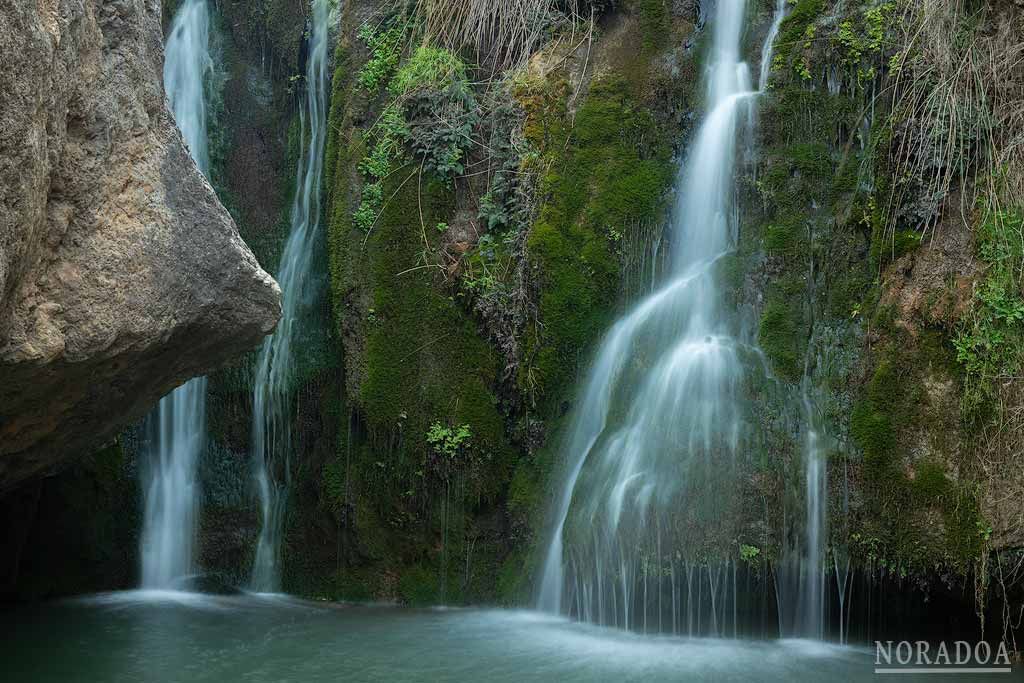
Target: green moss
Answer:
[[937, 352], [424, 359], [351, 584], [332, 486], [804, 119], [793, 31], [418, 586], [341, 84], [779, 339], [422, 362], [827, 237], [525, 493], [598, 181], [374, 536], [847, 293], [885, 408], [782, 238], [899, 243], [873, 432], [808, 180], [428, 67], [904, 499], [654, 22], [930, 483], [512, 586]]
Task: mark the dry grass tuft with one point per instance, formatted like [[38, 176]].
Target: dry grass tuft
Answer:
[[958, 95], [503, 33]]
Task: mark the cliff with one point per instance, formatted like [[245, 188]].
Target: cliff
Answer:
[[492, 208]]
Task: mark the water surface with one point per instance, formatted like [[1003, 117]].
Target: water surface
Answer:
[[168, 636]]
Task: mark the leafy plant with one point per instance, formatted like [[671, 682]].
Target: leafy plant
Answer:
[[433, 111], [990, 341], [387, 135], [385, 51], [440, 109], [448, 441]]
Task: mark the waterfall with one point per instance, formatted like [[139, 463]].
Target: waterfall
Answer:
[[769, 44], [811, 620], [272, 391], [176, 429], [662, 423]]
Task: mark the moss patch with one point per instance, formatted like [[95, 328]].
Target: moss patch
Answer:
[[600, 175]]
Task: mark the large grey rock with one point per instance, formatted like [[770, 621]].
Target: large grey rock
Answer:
[[121, 275]]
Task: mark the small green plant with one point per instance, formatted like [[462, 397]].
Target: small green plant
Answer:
[[439, 107], [385, 51], [851, 42], [803, 69], [448, 441], [876, 19], [387, 136], [442, 227], [990, 342], [493, 210], [433, 111], [748, 553]]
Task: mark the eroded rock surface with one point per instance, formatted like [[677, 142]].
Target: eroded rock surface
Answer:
[[121, 275]]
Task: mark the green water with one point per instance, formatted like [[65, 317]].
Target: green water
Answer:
[[163, 637]]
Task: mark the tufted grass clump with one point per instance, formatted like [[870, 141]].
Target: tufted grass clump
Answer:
[[504, 33]]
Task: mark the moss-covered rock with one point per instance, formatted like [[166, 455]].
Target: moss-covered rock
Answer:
[[601, 174], [418, 283]]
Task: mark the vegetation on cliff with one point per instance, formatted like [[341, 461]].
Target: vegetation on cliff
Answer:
[[492, 192], [886, 179], [476, 240]]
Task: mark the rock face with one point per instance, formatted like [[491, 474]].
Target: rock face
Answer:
[[121, 275]]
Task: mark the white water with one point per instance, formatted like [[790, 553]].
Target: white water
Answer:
[[272, 392], [662, 418], [177, 428], [811, 620], [769, 44]]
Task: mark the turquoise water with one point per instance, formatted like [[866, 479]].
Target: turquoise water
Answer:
[[166, 636]]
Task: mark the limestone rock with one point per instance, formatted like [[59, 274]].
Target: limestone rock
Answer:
[[121, 275]]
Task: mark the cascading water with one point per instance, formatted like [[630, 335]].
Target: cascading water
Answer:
[[769, 44], [662, 425], [272, 392], [801, 579], [176, 430]]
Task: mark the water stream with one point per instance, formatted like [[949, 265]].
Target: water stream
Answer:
[[767, 50], [662, 426], [273, 393], [176, 430]]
